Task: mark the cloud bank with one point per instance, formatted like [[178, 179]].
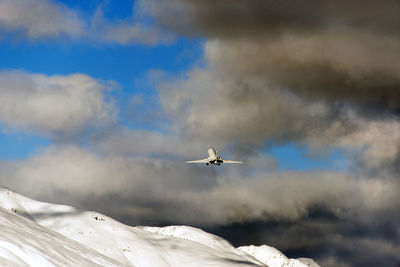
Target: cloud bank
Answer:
[[300, 210]]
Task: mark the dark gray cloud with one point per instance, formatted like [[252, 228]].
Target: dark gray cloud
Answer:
[[352, 68], [330, 240], [346, 51], [244, 18]]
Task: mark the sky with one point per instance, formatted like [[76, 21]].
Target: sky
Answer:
[[102, 102]]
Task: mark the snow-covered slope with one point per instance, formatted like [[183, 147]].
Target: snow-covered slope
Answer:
[[25, 243], [272, 257], [42, 234]]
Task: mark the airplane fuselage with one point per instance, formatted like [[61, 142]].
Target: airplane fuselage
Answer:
[[213, 157]]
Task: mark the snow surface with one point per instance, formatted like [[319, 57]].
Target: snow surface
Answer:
[[35, 233]]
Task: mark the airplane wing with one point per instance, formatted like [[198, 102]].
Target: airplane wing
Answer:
[[199, 161], [230, 161]]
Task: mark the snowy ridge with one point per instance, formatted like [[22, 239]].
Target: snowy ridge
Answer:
[[42, 234], [272, 257]]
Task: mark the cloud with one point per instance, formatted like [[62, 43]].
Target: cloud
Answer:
[[257, 102], [245, 19], [130, 30], [331, 216], [347, 52], [128, 33], [248, 113], [331, 241], [135, 179], [172, 191], [134, 143], [317, 74], [50, 19], [38, 19], [54, 106], [112, 184], [344, 67], [376, 144]]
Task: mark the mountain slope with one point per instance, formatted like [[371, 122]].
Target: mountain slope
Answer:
[[62, 235], [23, 243]]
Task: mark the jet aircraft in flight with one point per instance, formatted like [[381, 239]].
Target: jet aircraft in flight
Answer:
[[213, 158]]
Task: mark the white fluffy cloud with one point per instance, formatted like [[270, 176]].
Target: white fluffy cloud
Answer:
[[44, 19], [39, 18], [127, 31], [53, 105]]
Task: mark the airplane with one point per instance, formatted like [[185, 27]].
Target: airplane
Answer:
[[213, 159]]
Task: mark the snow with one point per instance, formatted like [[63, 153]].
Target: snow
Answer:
[[35, 233], [26, 243], [272, 257]]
